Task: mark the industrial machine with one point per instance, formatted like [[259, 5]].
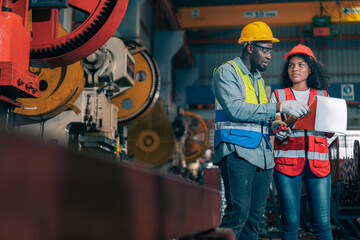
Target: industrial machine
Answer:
[[197, 138], [157, 143], [48, 48], [81, 90], [93, 101], [111, 68], [151, 139], [113, 86], [62, 99], [55, 80]]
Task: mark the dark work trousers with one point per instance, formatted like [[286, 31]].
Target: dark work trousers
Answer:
[[246, 191]]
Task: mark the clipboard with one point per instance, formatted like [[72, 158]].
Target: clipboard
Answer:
[[308, 121], [327, 114]]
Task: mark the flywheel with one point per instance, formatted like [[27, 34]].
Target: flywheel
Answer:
[[197, 136], [102, 18], [152, 139], [59, 88], [137, 101]]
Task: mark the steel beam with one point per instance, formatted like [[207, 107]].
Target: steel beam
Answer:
[[48, 192], [274, 14], [282, 39]]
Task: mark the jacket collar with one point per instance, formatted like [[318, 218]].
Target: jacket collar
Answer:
[[243, 68]]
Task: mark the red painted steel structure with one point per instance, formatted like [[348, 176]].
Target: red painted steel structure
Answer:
[[15, 78], [46, 48], [48, 192], [49, 50]]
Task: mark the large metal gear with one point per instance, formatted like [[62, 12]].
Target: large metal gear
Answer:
[[59, 89], [49, 50], [137, 101]]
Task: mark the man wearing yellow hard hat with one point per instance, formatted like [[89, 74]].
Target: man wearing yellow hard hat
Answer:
[[241, 142]]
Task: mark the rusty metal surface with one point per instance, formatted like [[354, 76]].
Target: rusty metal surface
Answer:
[[48, 192]]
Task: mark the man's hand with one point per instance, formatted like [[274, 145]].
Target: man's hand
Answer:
[[294, 108], [280, 129]]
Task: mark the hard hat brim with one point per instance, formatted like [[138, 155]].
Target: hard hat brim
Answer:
[[272, 40], [294, 53]]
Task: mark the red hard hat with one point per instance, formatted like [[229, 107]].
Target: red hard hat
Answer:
[[300, 49]]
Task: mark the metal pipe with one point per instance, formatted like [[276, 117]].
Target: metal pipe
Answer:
[[282, 39]]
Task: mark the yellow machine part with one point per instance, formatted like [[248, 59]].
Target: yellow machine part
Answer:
[[137, 94], [145, 91], [59, 89], [152, 139]]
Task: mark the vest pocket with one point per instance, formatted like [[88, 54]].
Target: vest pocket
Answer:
[[320, 145], [320, 149], [285, 144], [321, 164]]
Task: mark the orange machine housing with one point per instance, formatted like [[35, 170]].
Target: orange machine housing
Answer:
[[15, 79]]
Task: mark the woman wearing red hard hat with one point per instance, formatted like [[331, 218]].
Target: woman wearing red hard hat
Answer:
[[302, 155]]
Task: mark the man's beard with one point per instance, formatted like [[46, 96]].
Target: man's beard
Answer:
[[261, 68]]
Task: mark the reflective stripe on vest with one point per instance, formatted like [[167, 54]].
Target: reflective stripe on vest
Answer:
[[290, 153], [301, 133], [244, 134], [300, 154], [241, 126]]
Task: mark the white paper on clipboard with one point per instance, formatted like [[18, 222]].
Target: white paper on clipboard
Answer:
[[331, 115]]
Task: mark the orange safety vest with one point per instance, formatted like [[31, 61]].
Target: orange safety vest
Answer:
[[291, 153]]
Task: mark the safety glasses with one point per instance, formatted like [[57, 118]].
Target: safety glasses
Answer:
[[264, 50]]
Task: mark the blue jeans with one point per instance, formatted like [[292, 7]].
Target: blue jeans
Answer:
[[318, 192], [246, 190]]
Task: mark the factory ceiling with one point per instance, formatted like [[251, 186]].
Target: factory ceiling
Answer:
[[204, 16]]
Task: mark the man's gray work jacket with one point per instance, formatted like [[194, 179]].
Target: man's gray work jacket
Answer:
[[229, 90]]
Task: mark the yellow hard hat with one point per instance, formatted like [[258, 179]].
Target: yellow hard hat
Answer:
[[257, 31]]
